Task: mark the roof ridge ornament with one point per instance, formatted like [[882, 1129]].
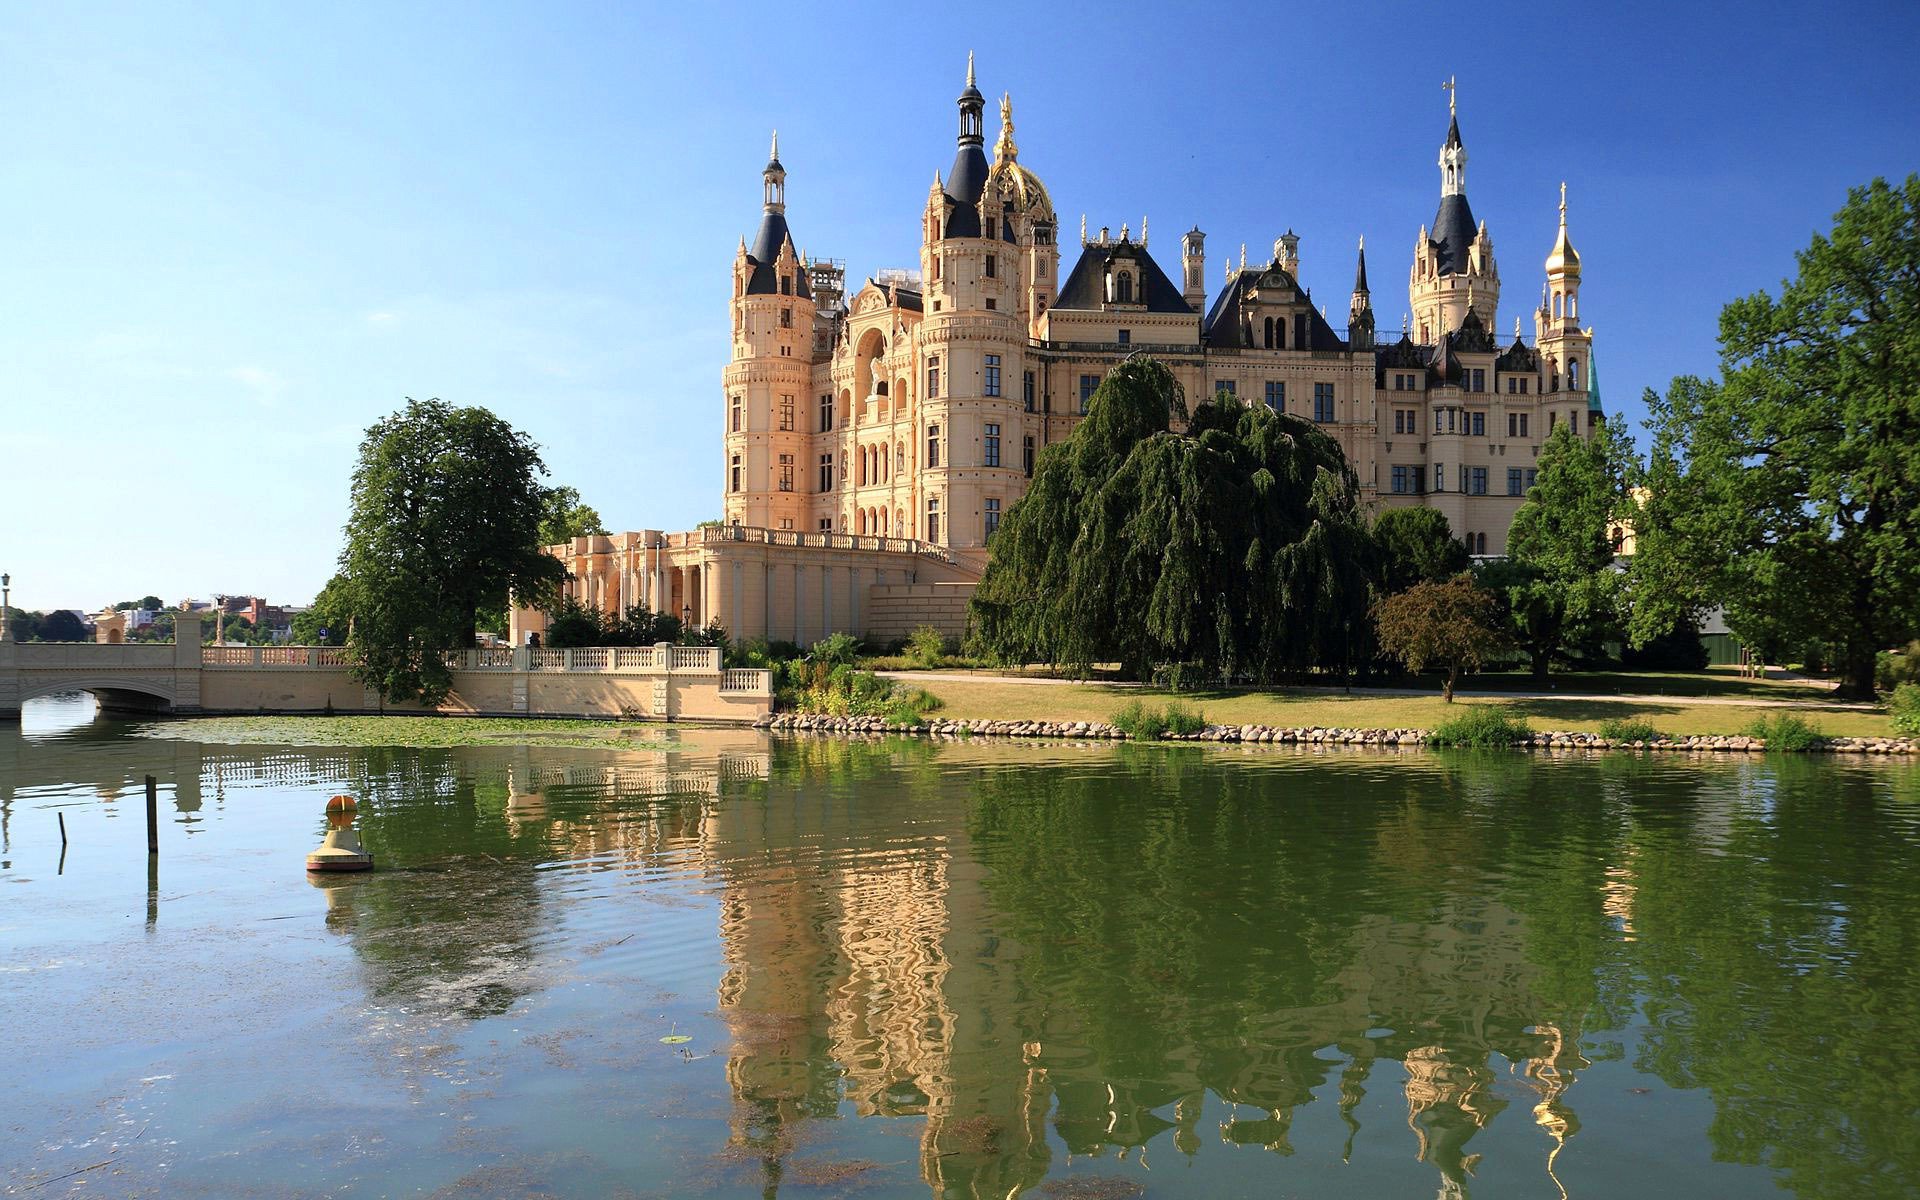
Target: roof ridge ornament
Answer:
[[1004, 150]]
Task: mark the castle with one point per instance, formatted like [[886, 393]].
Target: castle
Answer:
[[875, 441]]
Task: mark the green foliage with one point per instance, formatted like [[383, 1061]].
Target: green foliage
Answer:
[[1183, 720], [572, 624], [1416, 545], [1562, 598], [1144, 723], [1785, 731], [61, 625], [1785, 491], [1892, 668], [926, 645], [151, 602], [1237, 543], [838, 650], [1479, 727], [446, 514], [328, 611], [1139, 721], [563, 517], [1629, 729], [1904, 707], [1451, 623]]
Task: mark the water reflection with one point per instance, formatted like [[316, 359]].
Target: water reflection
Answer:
[[1479, 976]]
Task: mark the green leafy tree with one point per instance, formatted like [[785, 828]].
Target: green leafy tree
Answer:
[[151, 602], [1236, 543], [1416, 545], [566, 518], [446, 520], [1561, 593], [329, 611], [61, 626], [1786, 491], [1452, 623]]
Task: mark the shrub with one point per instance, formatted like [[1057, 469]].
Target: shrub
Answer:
[[1628, 729], [926, 646], [1183, 720], [1480, 727], [1144, 723], [1785, 731], [1904, 708], [836, 650], [1139, 722]]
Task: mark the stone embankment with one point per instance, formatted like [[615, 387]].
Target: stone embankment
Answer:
[[788, 722]]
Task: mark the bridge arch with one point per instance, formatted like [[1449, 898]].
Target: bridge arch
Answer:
[[112, 691]]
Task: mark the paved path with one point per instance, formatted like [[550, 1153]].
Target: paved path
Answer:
[[1719, 701]]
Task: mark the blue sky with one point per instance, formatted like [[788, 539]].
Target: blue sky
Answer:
[[239, 234]]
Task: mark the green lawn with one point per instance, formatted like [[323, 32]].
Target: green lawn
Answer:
[[1001, 700]]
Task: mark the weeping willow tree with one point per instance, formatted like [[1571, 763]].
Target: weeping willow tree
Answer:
[[1236, 544]]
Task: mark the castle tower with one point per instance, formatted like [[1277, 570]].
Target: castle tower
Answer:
[[980, 298], [1360, 307], [1193, 264], [1453, 266], [1565, 348], [767, 379]]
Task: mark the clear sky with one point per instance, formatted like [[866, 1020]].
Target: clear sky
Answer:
[[236, 235]]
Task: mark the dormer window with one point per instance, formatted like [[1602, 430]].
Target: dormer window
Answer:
[[1123, 288], [992, 231], [786, 286]]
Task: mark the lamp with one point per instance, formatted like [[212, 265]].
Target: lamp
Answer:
[[6, 598]]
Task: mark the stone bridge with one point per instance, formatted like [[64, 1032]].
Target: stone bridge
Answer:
[[661, 682]]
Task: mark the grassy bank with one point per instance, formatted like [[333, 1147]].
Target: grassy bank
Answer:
[[1099, 702], [419, 732]]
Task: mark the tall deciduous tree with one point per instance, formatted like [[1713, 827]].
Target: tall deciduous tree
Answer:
[[1416, 545], [1561, 593], [447, 508], [1237, 543], [1450, 623], [567, 518], [1787, 491]]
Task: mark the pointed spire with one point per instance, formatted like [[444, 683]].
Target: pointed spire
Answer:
[[1564, 259], [1360, 270]]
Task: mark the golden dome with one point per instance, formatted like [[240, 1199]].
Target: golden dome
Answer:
[[1021, 186], [1564, 259]]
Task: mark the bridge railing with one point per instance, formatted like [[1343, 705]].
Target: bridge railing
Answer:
[[636, 660]]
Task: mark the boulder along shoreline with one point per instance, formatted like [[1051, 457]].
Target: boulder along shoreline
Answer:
[[1298, 735]]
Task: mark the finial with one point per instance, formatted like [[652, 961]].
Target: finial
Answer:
[[1243, 256], [1083, 229], [1363, 243], [773, 155], [1123, 231], [1563, 204], [969, 68], [1406, 322], [1516, 329], [1005, 150], [1452, 95], [1143, 232]]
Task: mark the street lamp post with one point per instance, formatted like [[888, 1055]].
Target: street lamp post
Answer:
[[6, 605]]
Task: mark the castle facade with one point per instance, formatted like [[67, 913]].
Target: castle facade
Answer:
[[915, 407], [874, 441]]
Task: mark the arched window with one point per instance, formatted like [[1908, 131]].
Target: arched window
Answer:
[[1573, 307], [1123, 288], [1573, 374], [1269, 333]]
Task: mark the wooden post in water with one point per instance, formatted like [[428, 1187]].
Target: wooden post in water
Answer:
[[153, 816]]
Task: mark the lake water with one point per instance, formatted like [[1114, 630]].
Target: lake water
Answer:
[[962, 970]]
